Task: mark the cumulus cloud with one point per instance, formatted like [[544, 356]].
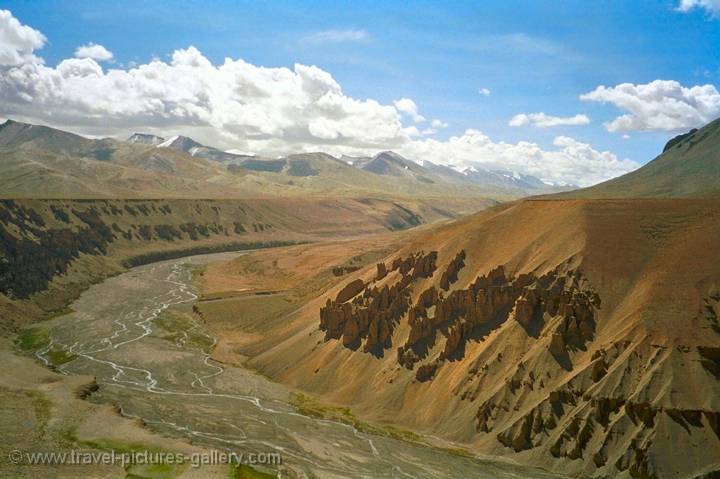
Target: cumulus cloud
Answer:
[[661, 105], [435, 126], [337, 36], [241, 106], [96, 52], [541, 120], [17, 41], [245, 102], [571, 162], [484, 91], [712, 6], [407, 106]]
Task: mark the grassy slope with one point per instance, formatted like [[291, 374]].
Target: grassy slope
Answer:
[[690, 168]]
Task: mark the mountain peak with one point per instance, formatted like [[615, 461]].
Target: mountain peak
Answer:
[[145, 139], [389, 155], [13, 133], [679, 139], [181, 143]]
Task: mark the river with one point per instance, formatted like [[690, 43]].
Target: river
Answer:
[[156, 366]]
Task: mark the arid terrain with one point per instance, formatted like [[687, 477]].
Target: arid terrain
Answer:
[[579, 336], [539, 350], [394, 240], [572, 334]]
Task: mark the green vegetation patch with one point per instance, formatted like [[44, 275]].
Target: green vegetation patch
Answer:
[[180, 328], [58, 357], [31, 339], [144, 471], [156, 471], [244, 471]]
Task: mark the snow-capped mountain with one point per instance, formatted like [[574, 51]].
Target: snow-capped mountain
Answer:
[[189, 146], [145, 139], [385, 164]]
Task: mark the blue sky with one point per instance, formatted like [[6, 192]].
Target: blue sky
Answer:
[[531, 56]]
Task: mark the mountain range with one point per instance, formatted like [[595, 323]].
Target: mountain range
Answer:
[[42, 161], [386, 163]]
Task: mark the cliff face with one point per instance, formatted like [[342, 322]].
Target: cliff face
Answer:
[[51, 249], [580, 336]]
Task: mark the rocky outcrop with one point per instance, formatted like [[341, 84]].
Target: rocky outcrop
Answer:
[[351, 290], [381, 271], [676, 140], [711, 311], [370, 312], [449, 276], [603, 362], [604, 415], [490, 300], [426, 372], [343, 270]]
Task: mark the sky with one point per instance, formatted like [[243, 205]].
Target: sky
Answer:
[[574, 92]]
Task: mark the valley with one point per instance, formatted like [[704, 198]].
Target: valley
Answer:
[[152, 360], [322, 240], [541, 337]]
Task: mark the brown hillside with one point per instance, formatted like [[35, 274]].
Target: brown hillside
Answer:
[[577, 335], [50, 250]]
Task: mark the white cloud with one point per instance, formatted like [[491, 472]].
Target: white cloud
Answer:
[[484, 91], [661, 105], [541, 120], [246, 103], [337, 36], [241, 106], [17, 41], [435, 126], [712, 6], [571, 162], [407, 106], [96, 52]]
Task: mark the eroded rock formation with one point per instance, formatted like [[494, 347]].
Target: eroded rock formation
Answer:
[[370, 312], [449, 276], [488, 302]]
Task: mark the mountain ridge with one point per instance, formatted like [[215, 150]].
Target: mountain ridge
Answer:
[[51, 162], [688, 166]]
